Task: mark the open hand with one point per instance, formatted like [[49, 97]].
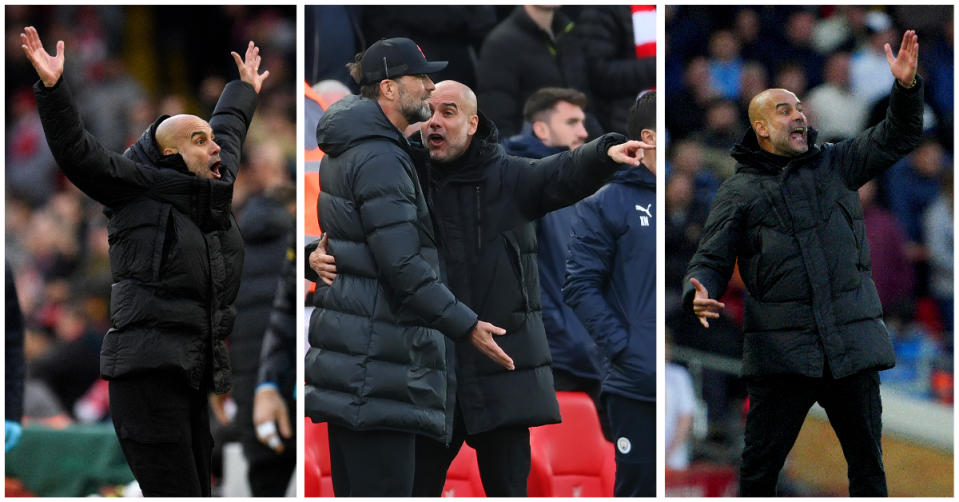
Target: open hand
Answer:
[[630, 152], [704, 307], [49, 68], [249, 67], [323, 264], [269, 408], [482, 339], [903, 66]]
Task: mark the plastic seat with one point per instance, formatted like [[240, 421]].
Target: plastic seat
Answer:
[[463, 478], [316, 465], [572, 458]]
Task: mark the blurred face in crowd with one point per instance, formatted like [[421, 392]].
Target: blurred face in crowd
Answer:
[[447, 133], [564, 126], [778, 120], [837, 69], [191, 137], [414, 94]]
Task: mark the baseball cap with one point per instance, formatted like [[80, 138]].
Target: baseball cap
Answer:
[[393, 58]]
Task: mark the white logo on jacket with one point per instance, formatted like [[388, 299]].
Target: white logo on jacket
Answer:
[[644, 220]]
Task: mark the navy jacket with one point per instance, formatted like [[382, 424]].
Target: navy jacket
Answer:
[[611, 279], [570, 345]]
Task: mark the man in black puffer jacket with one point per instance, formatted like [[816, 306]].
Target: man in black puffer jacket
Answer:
[[378, 367], [484, 205], [175, 256], [813, 324]]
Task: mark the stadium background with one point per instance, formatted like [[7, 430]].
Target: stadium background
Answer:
[[717, 58]]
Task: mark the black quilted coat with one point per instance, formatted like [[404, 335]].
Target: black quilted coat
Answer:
[[799, 236]]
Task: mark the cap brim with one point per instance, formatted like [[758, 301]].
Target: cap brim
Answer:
[[432, 67]]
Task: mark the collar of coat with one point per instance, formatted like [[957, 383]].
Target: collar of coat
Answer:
[[751, 158]]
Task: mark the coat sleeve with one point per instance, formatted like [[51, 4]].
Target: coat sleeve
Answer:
[[874, 150], [278, 353], [385, 195], [13, 353], [560, 180], [713, 263], [106, 177], [231, 120], [588, 268]]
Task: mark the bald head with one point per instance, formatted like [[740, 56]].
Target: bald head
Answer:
[[777, 119], [449, 131], [192, 138]]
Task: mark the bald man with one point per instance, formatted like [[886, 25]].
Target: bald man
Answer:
[[175, 256], [813, 325], [484, 204]]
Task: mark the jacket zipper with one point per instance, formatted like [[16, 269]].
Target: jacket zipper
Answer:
[[479, 219]]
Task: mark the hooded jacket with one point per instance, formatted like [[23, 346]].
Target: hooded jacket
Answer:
[[798, 233], [611, 279], [484, 205], [570, 345], [378, 358], [175, 250]]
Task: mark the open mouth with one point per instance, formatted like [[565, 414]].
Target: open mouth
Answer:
[[798, 133], [435, 140], [215, 169]]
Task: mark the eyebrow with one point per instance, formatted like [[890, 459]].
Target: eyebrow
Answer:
[[449, 104], [788, 104]]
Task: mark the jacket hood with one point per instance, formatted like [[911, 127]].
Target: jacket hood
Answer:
[[527, 145], [753, 158], [639, 176], [469, 167], [352, 120], [147, 151]]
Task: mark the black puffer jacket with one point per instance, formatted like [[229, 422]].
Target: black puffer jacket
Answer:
[[800, 240], [485, 204], [378, 358], [175, 251]]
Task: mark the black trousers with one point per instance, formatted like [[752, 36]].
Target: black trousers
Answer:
[[371, 463], [164, 430], [503, 456], [633, 426], [777, 409]]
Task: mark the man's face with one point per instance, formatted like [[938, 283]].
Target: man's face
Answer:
[[414, 93], [193, 139], [448, 132], [785, 124], [565, 126]]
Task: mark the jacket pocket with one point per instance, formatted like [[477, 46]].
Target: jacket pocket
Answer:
[[515, 257]]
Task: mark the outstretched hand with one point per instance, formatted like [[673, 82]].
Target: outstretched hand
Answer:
[[903, 66], [704, 307], [631, 152], [249, 67], [49, 68]]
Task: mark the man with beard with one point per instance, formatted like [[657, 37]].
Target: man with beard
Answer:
[[175, 256], [484, 204], [378, 368], [813, 328]]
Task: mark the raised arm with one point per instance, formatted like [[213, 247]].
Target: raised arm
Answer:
[[105, 176], [234, 110], [879, 147]]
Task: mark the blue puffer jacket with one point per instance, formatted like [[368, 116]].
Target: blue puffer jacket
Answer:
[[570, 345], [611, 279]]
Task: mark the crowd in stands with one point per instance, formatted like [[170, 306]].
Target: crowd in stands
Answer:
[[126, 65], [832, 58]]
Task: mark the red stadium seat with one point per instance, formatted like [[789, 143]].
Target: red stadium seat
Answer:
[[572, 458], [463, 478], [702, 480], [316, 466]]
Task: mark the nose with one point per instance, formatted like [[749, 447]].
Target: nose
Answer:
[[214, 148], [581, 131], [428, 83]]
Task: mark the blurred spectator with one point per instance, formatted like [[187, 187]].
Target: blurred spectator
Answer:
[[725, 63], [937, 222], [687, 158], [334, 37], [892, 271], [796, 47], [686, 108], [452, 33], [685, 218], [835, 111], [680, 412], [791, 75], [619, 66], [912, 184], [721, 131], [753, 80], [31, 172], [12, 364], [869, 72], [531, 49]]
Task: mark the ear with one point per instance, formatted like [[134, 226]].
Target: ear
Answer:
[[648, 136], [761, 129], [541, 130], [169, 151], [388, 88], [474, 125]]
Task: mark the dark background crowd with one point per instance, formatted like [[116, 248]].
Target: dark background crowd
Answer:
[[500, 52], [126, 65], [832, 58]]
